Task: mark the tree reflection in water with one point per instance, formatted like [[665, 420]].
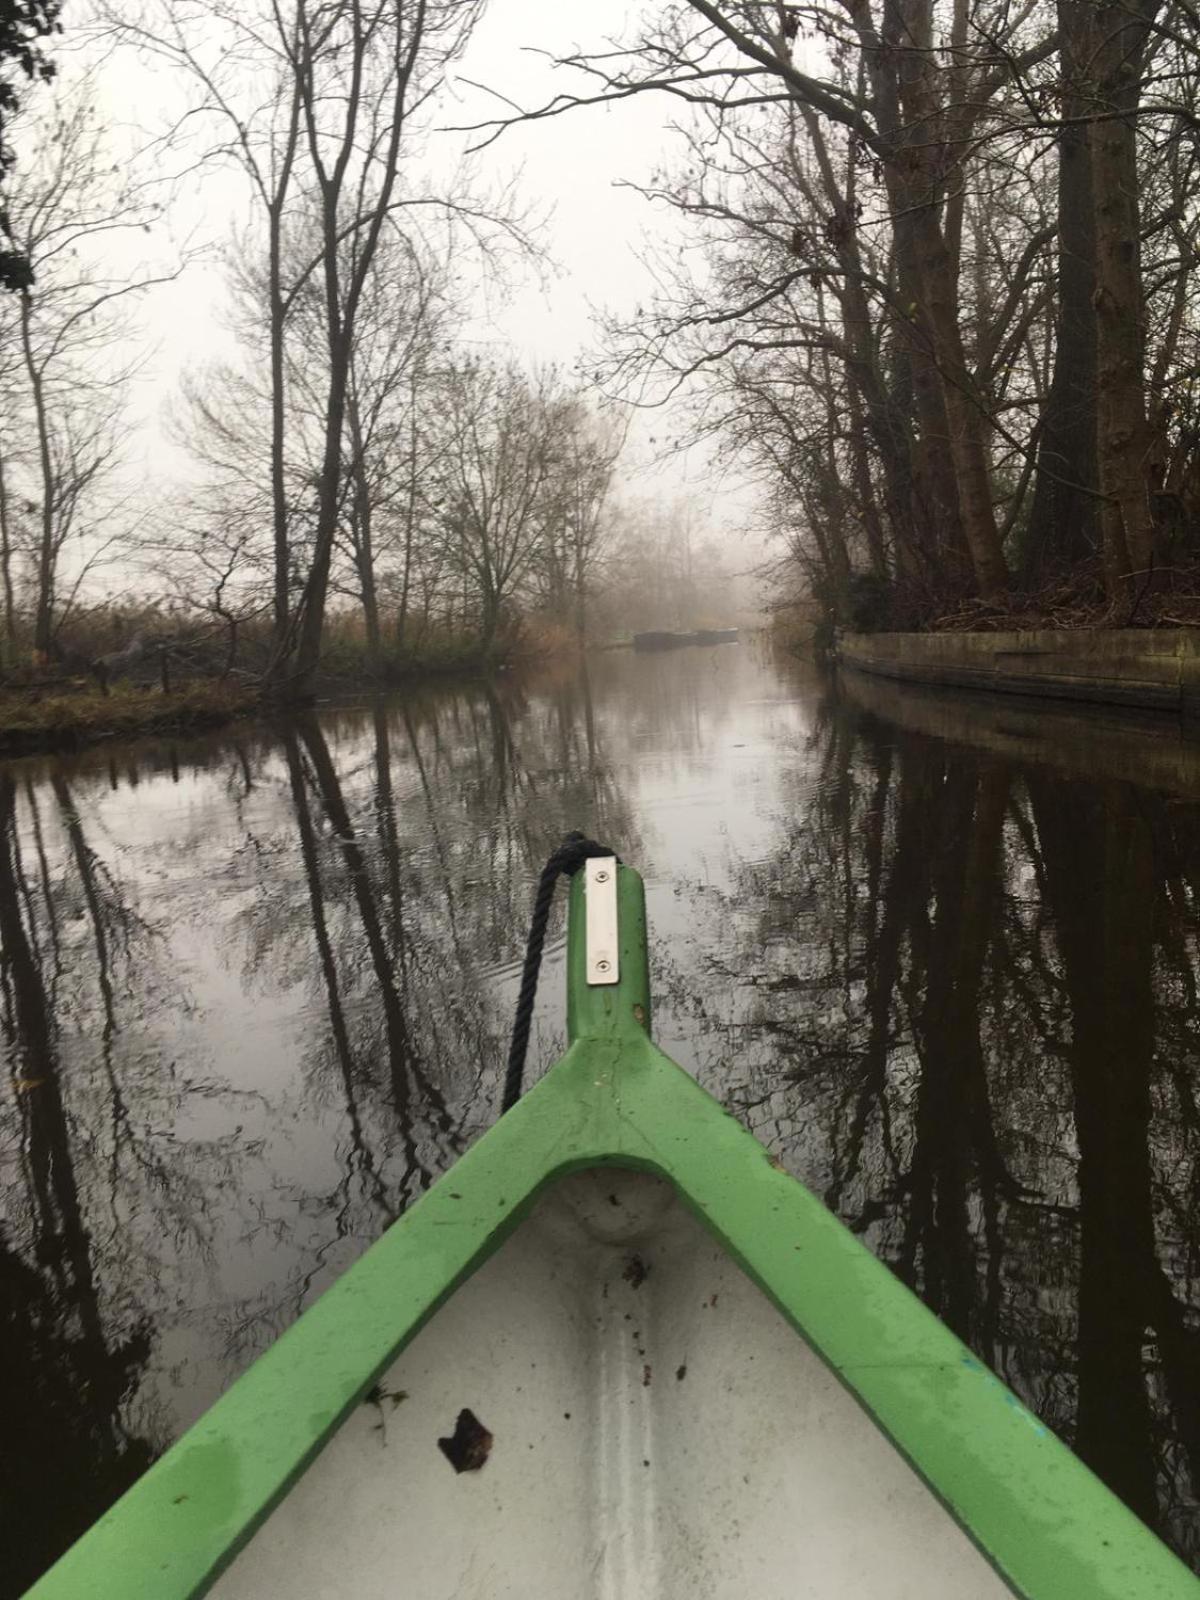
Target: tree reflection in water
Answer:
[[970, 1020], [64, 1366], [255, 994]]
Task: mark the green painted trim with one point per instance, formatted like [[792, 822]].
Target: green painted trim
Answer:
[[1046, 1523]]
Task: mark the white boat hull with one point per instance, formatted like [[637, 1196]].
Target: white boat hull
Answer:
[[659, 1432]]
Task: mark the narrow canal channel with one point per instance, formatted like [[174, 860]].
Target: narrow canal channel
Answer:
[[255, 994]]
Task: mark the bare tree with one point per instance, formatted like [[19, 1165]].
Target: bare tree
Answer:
[[1117, 43], [72, 209], [572, 550], [875, 185], [243, 65], [496, 479], [391, 447], [911, 90], [363, 76], [323, 108]]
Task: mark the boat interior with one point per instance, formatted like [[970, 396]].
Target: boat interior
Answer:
[[609, 1407]]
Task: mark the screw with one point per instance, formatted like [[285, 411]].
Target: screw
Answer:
[[602, 965], [602, 877]]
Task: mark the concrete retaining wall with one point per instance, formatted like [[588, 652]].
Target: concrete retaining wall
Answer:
[[1153, 668], [1099, 743]]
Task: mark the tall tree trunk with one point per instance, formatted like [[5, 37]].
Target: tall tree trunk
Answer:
[[64, 1380], [866, 390], [43, 619], [278, 311], [1064, 520], [952, 460], [832, 498], [316, 589], [401, 33], [6, 655], [1119, 34], [938, 504], [410, 516], [362, 1155], [864, 489], [370, 595], [279, 510], [955, 1142], [580, 594], [364, 547], [489, 625], [1100, 889], [929, 289], [968, 448], [404, 1063]]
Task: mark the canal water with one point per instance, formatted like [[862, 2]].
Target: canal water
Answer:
[[942, 957]]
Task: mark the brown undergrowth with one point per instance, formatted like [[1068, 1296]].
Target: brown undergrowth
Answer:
[[1168, 597], [71, 714]]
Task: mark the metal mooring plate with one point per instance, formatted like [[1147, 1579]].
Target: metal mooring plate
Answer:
[[600, 899]]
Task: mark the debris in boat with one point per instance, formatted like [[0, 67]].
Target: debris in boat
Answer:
[[567, 1416], [636, 1272], [639, 1014], [681, 1372], [646, 1376], [470, 1444], [377, 1394], [613, 1201]]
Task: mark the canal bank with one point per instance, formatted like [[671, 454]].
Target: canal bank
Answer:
[[1101, 744], [1151, 669]]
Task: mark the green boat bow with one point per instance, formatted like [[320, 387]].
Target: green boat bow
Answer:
[[1047, 1525]]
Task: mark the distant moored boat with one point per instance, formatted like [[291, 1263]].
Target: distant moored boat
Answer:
[[659, 639]]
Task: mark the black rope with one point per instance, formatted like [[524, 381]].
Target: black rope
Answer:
[[568, 858]]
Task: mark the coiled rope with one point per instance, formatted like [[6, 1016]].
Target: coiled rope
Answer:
[[565, 861]]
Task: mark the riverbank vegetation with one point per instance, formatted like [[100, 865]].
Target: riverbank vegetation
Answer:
[[947, 305], [72, 713], [360, 490]]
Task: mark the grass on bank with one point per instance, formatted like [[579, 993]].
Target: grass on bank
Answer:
[[442, 652], [32, 719], [44, 707]]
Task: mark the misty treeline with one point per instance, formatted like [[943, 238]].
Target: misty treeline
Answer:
[[947, 307], [365, 479]]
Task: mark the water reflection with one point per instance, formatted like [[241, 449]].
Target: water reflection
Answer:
[[255, 992], [975, 1032], [65, 1364]]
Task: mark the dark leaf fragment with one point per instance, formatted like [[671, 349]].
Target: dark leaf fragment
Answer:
[[470, 1444]]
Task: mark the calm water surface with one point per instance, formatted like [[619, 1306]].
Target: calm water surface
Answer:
[[255, 993]]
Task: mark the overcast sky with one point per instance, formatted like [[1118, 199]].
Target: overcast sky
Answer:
[[574, 162]]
